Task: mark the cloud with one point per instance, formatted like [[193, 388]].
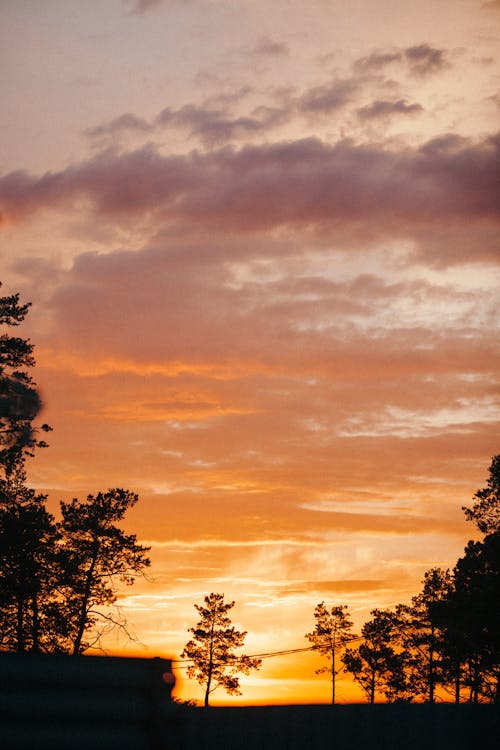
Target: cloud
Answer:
[[216, 126], [376, 61], [382, 109], [340, 586], [124, 123], [440, 195], [144, 6], [235, 359], [271, 48], [328, 98], [216, 121], [347, 190], [425, 60], [421, 59]]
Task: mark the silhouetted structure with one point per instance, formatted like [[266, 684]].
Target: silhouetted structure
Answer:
[[58, 702]]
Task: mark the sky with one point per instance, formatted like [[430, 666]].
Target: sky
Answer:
[[261, 241]]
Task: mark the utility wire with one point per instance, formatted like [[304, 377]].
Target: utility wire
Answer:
[[269, 654]]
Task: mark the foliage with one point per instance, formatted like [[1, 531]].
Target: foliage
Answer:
[[27, 570], [58, 580], [331, 633], [420, 634], [19, 400], [212, 649], [375, 664], [93, 553], [474, 615], [486, 510]]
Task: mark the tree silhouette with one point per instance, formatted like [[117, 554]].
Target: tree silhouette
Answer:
[[375, 664], [19, 400], [27, 566], [55, 578], [485, 512], [421, 633], [212, 649], [474, 614], [331, 633], [93, 553]]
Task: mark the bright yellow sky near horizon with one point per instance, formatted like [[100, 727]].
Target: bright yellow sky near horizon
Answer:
[[261, 241]]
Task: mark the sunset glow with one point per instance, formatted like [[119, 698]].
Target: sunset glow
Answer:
[[261, 241]]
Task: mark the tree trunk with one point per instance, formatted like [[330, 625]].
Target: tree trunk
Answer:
[[457, 684], [82, 620], [431, 667], [21, 646], [372, 689], [210, 666], [35, 645], [333, 676]]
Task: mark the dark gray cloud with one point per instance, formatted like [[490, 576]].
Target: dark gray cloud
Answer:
[[127, 122], [425, 60], [215, 126], [422, 60], [381, 108], [328, 98], [376, 61], [214, 122]]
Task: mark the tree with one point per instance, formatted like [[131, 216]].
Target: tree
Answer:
[[375, 664], [19, 400], [58, 580], [420, 633], [27, 569], [93, 553], [55, 579], [331, 633], [211, 651], [486, 510], [475, 616]]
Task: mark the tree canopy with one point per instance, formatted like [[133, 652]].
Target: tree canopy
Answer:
[[20, 402], [331, 632], [485, 512]]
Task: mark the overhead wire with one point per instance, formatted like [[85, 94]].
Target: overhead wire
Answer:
[[270, 654]]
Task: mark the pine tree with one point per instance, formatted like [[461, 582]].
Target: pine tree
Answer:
[[20, 402], [211, 650], [331, 633]]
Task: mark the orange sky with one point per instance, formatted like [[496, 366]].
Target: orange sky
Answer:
[[261, 242]]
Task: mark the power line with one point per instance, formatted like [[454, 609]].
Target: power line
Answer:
[[270, 654]]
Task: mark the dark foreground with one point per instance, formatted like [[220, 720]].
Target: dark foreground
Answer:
[[88, 703]]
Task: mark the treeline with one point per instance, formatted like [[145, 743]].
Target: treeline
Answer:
[[446, 642], [445, 645]]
